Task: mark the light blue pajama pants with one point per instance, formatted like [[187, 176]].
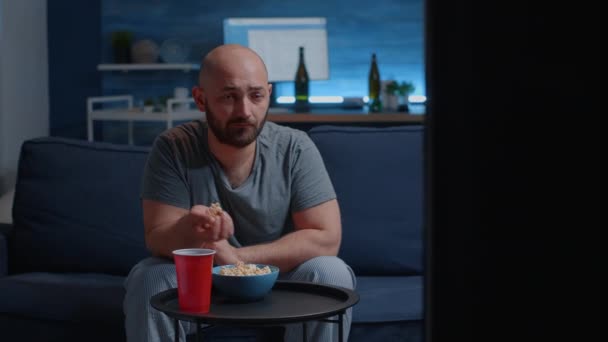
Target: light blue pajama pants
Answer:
[[143, 323]]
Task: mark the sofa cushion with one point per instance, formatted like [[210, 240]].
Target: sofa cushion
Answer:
[[377, 175], [77, 207], [70, 297], [389, 299]]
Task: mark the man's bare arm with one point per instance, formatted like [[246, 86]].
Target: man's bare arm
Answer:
[[168, 228], [318, 232]]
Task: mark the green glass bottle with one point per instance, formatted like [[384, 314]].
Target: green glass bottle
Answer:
[[374, 87], [301, 83]]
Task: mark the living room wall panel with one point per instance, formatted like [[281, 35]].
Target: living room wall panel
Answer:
[[79, 40]]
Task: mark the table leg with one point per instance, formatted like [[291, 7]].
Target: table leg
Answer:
[[176, 330], [341, 331], [305, 338], [199, 334]]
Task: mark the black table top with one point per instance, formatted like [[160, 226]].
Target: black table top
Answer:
[[288, 302]]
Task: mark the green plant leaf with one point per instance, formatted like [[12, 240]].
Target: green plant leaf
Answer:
[[392, 88], [406, 88]]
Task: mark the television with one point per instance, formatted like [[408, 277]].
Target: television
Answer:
[[277, 41]]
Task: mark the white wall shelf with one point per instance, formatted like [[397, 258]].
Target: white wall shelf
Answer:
[[186, 67], [131, 114]]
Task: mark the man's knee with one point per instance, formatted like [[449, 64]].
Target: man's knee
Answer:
[[328, 270], [151, 273]]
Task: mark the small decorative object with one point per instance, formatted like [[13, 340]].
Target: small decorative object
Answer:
[[162, 103], [181, 93], [145, 51], [149, 105], [121, 46], [401, 92], [174, 51], [388, 95]]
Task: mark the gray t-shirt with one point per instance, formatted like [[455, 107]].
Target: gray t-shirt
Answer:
[[288, 175]]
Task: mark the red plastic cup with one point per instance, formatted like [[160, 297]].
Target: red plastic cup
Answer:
[[193, 268]]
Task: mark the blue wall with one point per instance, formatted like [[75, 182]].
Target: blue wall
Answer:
[[393, 29], [74, 46], [356, 28]]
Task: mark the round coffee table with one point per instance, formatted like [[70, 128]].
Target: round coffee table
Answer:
[[288, 302]]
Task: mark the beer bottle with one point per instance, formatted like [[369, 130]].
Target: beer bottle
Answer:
[[374, 87], [301, 83]]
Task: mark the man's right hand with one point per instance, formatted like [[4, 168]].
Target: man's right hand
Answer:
[[209, 226], [169, 228]]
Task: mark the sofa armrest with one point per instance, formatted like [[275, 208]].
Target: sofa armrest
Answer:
[[5, 230]]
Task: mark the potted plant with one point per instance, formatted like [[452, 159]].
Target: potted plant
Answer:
[[149, 105], [162, 102], [401, 91], [121, 46]]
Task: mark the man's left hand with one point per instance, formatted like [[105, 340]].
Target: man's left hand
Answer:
[[224, 252]]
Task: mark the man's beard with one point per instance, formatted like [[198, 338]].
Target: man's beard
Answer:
[[234, 136]]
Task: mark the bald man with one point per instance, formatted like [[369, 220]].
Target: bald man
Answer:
[[280, 207]]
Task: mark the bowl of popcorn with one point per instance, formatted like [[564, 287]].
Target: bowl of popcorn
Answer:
[[244, 282]]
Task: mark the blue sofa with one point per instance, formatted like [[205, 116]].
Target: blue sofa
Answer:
[[77, 230]]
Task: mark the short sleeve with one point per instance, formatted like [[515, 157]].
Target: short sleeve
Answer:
[[164, 177], [311, 184]]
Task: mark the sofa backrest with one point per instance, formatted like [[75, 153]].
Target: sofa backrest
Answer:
[[377, 175], [77, 207]]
